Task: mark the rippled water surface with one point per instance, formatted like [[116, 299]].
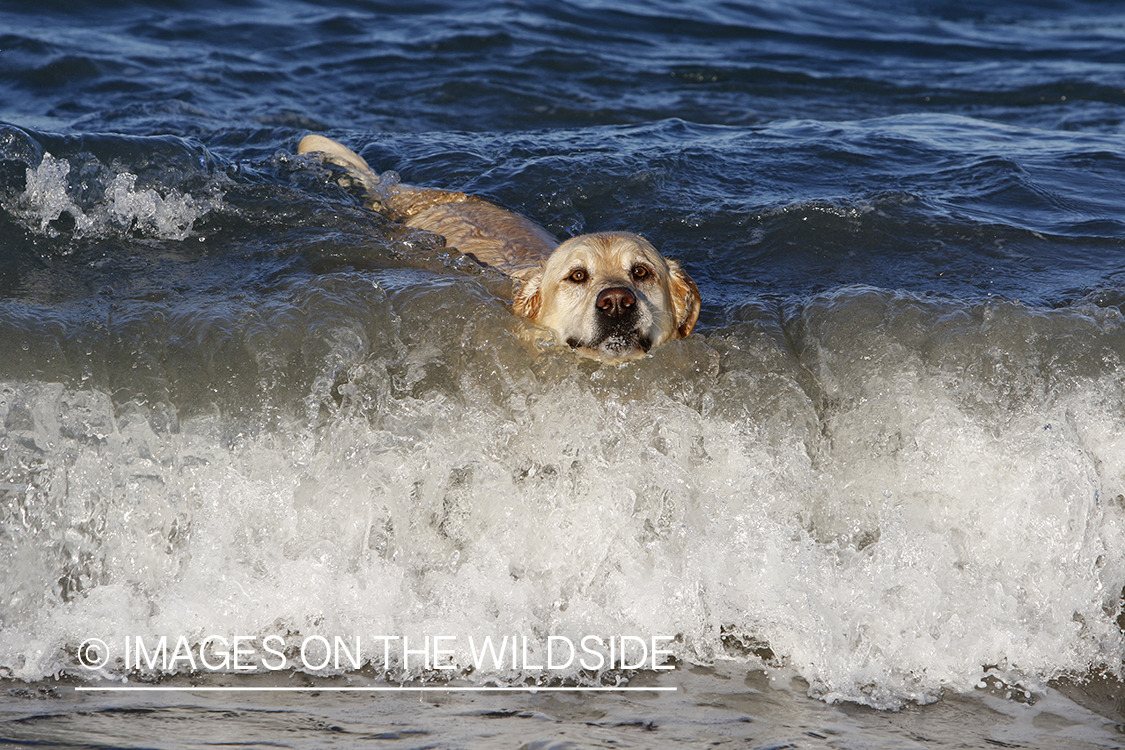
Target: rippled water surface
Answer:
[[877, 499]]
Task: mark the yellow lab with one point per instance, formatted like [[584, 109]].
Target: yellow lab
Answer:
[[607, 295]]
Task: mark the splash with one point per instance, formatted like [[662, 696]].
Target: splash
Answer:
[[889, 496], [113, 203]]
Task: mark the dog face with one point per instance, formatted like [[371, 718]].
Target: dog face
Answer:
[[610, 296]]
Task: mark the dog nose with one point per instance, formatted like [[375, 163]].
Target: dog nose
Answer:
[[616, 301]]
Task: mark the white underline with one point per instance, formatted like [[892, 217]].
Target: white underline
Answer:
[[403, 689]]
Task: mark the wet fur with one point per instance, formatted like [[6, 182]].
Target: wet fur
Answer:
[[608, 295]]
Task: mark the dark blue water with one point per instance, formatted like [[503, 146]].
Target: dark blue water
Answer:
[[887, 472]]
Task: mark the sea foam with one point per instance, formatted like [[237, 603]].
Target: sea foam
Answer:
[[890, 496], [108, 202]]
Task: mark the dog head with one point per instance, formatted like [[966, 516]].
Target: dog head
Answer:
[[610, 296]]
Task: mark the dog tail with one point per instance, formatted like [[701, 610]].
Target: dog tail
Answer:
[[357, 171], [490, 234]]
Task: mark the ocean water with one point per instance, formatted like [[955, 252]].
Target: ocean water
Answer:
[[256, 436]]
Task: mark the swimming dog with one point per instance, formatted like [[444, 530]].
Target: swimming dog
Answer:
[[607, 295]]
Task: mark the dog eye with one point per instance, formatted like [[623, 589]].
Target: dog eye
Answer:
[[639, 272], [578, 275]]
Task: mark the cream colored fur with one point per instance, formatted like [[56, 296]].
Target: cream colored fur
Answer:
[[607, 295]]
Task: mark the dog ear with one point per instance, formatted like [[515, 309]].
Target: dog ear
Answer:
[[529, 297], [685, 299]]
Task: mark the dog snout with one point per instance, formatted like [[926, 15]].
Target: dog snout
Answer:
[[616, 302]]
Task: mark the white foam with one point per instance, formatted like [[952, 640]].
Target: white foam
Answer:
[[892, 528], [122, 208]]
